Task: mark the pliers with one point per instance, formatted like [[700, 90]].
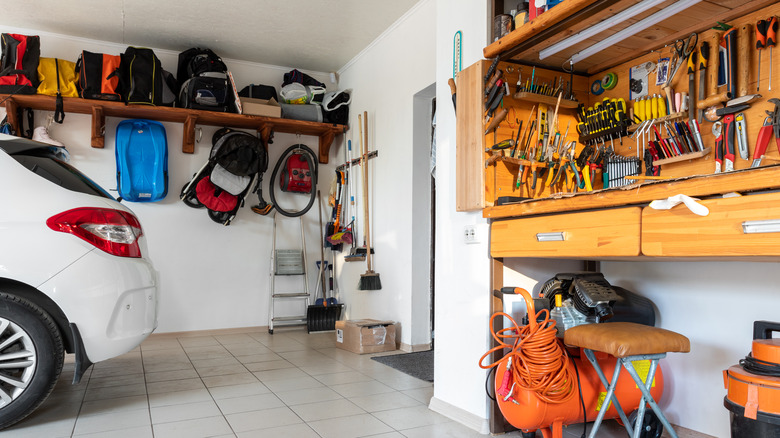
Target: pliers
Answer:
[[765, 133]]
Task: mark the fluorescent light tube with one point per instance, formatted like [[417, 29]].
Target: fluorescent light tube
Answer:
[[633, 29], [599, 27]]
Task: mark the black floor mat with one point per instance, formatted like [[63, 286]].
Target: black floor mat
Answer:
[[419, 365]]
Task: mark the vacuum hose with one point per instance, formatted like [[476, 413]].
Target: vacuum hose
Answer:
[[311, 160], [538, 361]]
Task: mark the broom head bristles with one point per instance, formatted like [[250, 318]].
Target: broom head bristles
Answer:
[[370, 281]]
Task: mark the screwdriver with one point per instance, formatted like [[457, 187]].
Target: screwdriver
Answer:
[[766, 36]]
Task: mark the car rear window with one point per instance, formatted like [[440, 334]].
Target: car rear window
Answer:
[[62, 174]]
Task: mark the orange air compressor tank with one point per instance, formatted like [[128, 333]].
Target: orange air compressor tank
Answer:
[[527, 412]]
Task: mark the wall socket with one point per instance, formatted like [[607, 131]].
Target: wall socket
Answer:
[[470, 234]]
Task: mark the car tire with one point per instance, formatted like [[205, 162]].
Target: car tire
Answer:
[[31, 335]]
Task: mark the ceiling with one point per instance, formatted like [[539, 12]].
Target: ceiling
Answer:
[[315, 35]]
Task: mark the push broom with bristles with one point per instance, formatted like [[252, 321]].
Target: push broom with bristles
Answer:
[[369, 280]]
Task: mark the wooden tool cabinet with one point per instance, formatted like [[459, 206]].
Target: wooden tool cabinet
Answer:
[[616, 223]]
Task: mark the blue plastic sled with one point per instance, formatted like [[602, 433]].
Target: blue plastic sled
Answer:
[[141, 160]]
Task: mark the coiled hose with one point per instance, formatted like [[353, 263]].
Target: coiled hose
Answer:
[[538, 361]]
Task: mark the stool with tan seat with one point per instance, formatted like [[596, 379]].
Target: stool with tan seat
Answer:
[[628, 342]]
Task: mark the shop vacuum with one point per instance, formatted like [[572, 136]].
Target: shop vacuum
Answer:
[[571, 392], [753, 387]]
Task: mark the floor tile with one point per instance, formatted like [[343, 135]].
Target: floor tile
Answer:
[[179, 397], [423, 395], [200, 428], [249, 403], [131, 432], [408, 418], [171, 375], [226, 359], [341, 378], [268, 365], [449, 429], [263, 419], [221, 392], [111, 421], [174, 385], [292, 384], [221, 370], [327, 409], [118, 380], [350, 427], [189, 411], [114, 392], [200, 341], [292, 431], [286, 373], [230, 379], [308, 395], [385, 401], [168, 365], [361, 388], [114, 405], [262, 357]]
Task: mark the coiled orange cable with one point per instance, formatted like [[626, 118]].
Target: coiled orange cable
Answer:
[[539, 362]]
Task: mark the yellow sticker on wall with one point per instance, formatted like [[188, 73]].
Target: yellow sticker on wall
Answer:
[[642, 368]]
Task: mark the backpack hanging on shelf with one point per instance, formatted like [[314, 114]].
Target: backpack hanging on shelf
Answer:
[[98, 76], [19, 63], [143, 79], [204, 81], [58, 78]]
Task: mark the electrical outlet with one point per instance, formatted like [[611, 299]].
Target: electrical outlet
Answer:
[[470, 234]]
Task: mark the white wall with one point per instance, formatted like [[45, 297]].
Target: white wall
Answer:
[[386, 76], [714, 304], [462, 270], [211, 276]]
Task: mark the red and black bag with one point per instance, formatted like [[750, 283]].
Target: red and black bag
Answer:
[[98, 76], [19, 63]]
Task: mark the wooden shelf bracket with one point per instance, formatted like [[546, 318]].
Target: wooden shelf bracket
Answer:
[[98, 127]]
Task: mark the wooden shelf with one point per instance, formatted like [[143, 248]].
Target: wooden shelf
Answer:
[[99, 109], [746, 180], [549, 100], [683, 157]]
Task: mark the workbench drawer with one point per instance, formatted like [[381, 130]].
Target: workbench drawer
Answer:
[[603, 233], [740, 226]]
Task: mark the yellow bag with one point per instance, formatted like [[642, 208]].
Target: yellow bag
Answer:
[[52, 69], [58, 78]]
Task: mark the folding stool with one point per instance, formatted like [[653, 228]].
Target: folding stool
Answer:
[[628, 342]]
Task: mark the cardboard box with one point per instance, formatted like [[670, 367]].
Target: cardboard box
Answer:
[[260, 107], [366, 335]]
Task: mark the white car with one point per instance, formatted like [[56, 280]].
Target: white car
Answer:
[[74, 275]]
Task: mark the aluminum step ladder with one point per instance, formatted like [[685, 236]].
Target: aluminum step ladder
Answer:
[[288, 262]]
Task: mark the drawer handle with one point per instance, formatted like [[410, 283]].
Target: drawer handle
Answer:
[[549, 237], [765, 226]]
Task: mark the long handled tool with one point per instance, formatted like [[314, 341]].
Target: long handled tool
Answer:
[[370, 280]]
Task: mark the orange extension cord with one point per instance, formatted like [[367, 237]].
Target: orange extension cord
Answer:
[[539, 362]]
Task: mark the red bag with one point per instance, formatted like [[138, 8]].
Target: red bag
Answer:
[[19, 64], [213, 197]]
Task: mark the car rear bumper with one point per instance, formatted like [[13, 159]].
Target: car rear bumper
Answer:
[[112, 300]]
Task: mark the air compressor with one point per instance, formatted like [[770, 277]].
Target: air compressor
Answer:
[[540, 384]]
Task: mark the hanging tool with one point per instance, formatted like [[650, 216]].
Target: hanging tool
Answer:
[[766, 36], [742, 144], [730, 127], [717, 131], [763, 141], [730, 44], [691, 84], [765, 134], [743, 59], [497, 119], [453, 90], [491, 69], [493, 81], [682, 50], [704, 55]]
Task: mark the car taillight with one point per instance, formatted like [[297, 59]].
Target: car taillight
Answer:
[[114, 231]]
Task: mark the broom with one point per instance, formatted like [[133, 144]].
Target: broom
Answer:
[[369, 280]]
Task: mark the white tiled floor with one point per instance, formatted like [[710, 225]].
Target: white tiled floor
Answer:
[[248, 384]]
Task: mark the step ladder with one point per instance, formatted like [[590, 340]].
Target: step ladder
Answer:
[[288, 262]]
